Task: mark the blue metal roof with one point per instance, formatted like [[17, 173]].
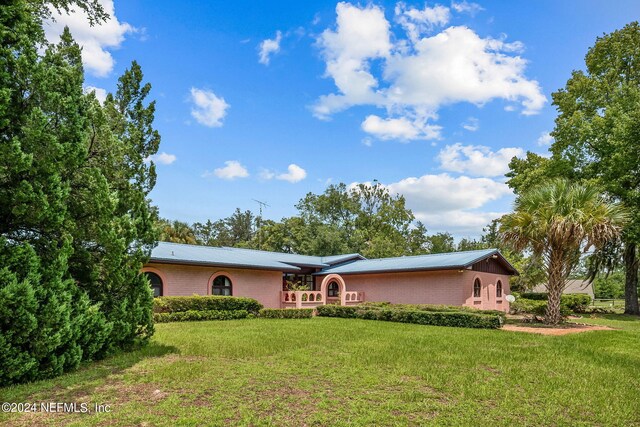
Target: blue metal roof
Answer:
[[337, 259], [446, 261], [293, 259], [177, 253]]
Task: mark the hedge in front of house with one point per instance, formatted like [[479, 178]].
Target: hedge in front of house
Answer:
[[456, 319], [193, 315], [286, 313], [440, 308], [573, 302], [205, 303]]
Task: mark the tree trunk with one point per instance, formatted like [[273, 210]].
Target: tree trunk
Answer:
[[555, 286], [631, 279]]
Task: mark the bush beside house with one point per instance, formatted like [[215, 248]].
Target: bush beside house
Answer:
[[536, 303], [184, 309], [461, 318], [286, 313], [205, 303], [193, 315]]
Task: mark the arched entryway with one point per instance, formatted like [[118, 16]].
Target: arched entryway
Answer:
[[333, 288]]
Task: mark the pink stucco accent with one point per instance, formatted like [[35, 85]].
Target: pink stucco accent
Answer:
[[341, 288], [187, 280]]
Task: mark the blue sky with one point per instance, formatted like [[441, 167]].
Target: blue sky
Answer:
[[272, 100]]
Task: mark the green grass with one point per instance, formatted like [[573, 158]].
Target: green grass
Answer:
[[327, 371], [611, 304]]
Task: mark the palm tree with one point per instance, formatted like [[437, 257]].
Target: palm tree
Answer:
[[557, 221], [176, 232]]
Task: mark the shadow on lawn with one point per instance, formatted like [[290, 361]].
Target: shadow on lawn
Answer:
[[86, 379]]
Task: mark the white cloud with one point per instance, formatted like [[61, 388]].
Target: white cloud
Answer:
[[446, 203], [545, 138], [457, 65], [400, 128], [466, 7], [472, 124], [100, 93], [362, 34], [367, 142], [467, 223], [295, 174], [269, 47], [266, 174], [477, 160], [232, 170], [96, 41], [418, 75], [161, 158], [444, 193], [417, 22], [209, 109]]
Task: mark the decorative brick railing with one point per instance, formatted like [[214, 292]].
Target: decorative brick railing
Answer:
[[311, 299], [353, 297], [301, 299]]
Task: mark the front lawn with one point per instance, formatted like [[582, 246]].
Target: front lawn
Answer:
[[328, 371]]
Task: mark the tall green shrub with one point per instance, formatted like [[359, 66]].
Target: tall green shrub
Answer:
[[76, 224]]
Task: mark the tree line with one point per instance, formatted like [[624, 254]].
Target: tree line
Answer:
[[363, 219]]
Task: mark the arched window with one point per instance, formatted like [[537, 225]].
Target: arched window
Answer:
[[499, 289], [221, 286], [333, 289], [156, 283], [477, 289]]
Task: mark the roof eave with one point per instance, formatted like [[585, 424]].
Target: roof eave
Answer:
[[399, 270], [287, 268]]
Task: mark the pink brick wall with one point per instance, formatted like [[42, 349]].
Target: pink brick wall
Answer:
[[488, 299], [186, 280], [426, 287], [431, 287]]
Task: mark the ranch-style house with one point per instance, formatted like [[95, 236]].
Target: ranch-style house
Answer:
[[478, 279]]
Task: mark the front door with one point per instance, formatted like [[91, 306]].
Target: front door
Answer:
[[333, 293]]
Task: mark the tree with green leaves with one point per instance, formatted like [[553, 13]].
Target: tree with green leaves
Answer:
[[235, 230], [597, 132], [48, 325], [178, 232], [75, 223], [557, 222], [114, 236], [365, 218], [440, 243]]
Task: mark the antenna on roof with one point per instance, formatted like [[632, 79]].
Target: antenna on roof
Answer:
[[265, 205]]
